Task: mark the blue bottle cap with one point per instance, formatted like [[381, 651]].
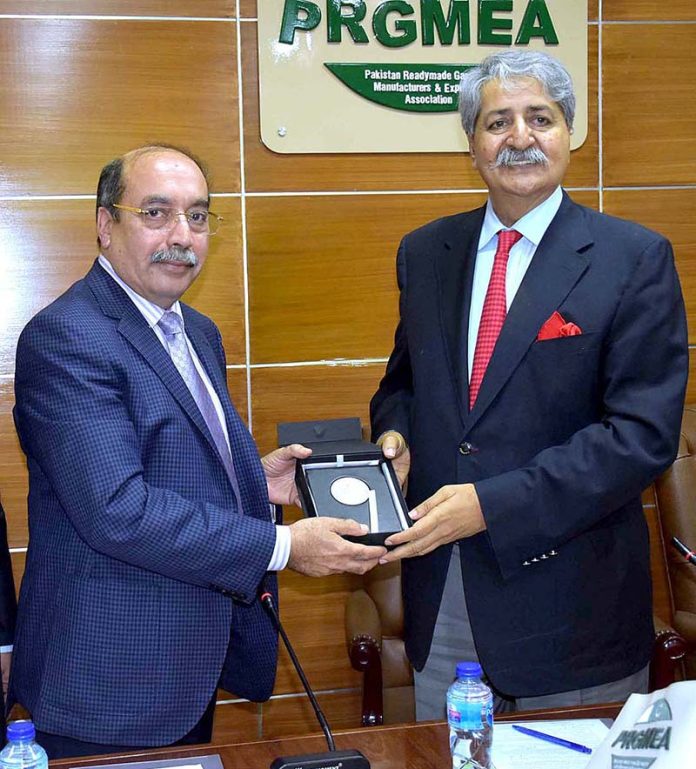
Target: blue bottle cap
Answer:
[[20, 730], [468, 670]]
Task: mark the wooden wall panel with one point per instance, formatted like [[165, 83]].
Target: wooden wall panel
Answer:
[[649, 10], [237, 722], [648, 497], [673, 213], [86, 98], [322, 272], [295, 394], [247, 9], [294, 715], [201, 8], [267, 170], [237, 386], [45, 246], [589, 198], [648, 110], [312, 611], [691, 385], [18, 562]]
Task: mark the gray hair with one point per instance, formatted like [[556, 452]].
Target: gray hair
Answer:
[[507, 67], [112, 180]]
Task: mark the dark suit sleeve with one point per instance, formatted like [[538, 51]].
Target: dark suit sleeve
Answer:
[[567, 489], [389, 408], [79, 438], [8, 601]]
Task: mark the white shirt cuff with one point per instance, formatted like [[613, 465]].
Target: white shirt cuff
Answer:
[[281, 551], [6, 649]]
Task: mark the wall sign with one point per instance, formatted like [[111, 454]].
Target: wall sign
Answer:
[[383, 76]]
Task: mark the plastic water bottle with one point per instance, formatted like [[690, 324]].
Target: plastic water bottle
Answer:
[[22, 751], [470, 718]]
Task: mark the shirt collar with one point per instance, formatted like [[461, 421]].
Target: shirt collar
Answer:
[[150, 311], [532, 225]]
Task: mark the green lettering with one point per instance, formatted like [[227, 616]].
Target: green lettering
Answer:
[[406, 28], [488, 23], [292, 21], [351, 21], [457, 18], [537, 23]]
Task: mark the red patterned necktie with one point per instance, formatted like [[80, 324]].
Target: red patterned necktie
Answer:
[[493, 314]]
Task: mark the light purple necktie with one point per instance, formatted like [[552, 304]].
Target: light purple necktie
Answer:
[[173, 326]]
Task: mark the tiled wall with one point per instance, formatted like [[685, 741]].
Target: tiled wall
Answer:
[[301, 280]]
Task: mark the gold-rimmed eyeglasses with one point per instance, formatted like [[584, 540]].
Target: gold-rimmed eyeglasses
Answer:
[[165, 217]]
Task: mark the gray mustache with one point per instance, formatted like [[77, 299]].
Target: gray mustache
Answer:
[[511, 157], [175, 255]]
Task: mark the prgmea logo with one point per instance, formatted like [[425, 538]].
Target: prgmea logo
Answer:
[[393, 24], [644, 736]]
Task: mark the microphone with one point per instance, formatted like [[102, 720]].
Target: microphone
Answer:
[[346, 759], [690, 555]]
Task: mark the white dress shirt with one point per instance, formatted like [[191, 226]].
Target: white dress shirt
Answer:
[[152, 314], [532, 226]]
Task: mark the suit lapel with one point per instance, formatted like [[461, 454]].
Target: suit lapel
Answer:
[[555, 268], [250, 477], [132, 326], [454, 266]]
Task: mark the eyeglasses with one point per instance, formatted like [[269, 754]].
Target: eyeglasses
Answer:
[[164, 217]]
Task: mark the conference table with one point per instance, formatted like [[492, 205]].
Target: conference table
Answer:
[[409, 746]]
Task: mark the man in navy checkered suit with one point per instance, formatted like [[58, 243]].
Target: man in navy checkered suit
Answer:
[[149, 517]]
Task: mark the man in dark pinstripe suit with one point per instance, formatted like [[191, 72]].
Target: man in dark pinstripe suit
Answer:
[[150, 525]]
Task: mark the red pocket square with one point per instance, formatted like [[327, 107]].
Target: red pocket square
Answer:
[[556, 326]]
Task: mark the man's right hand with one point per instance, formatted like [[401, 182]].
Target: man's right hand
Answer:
[[394, 447], [317, 548]]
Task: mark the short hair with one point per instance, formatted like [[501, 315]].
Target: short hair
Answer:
[[510, 66], [113, 177]]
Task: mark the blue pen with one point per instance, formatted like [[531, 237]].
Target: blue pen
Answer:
[[551, 738]]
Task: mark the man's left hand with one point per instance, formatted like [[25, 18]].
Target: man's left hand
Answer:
[[279, 467], [452, 513]]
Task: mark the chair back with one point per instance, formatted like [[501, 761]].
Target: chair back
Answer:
[[675, 492], [375, 639]]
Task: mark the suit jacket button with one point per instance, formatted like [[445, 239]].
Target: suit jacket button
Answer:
[[465, 448]]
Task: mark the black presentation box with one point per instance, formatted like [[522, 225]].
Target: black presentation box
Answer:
[[346, 477]]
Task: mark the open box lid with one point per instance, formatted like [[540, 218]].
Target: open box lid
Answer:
[[327, 437]]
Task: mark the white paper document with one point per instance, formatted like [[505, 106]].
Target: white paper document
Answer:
[[652, 731], [514, 750]]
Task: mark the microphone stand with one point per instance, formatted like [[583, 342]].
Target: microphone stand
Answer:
[[346, 759]]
